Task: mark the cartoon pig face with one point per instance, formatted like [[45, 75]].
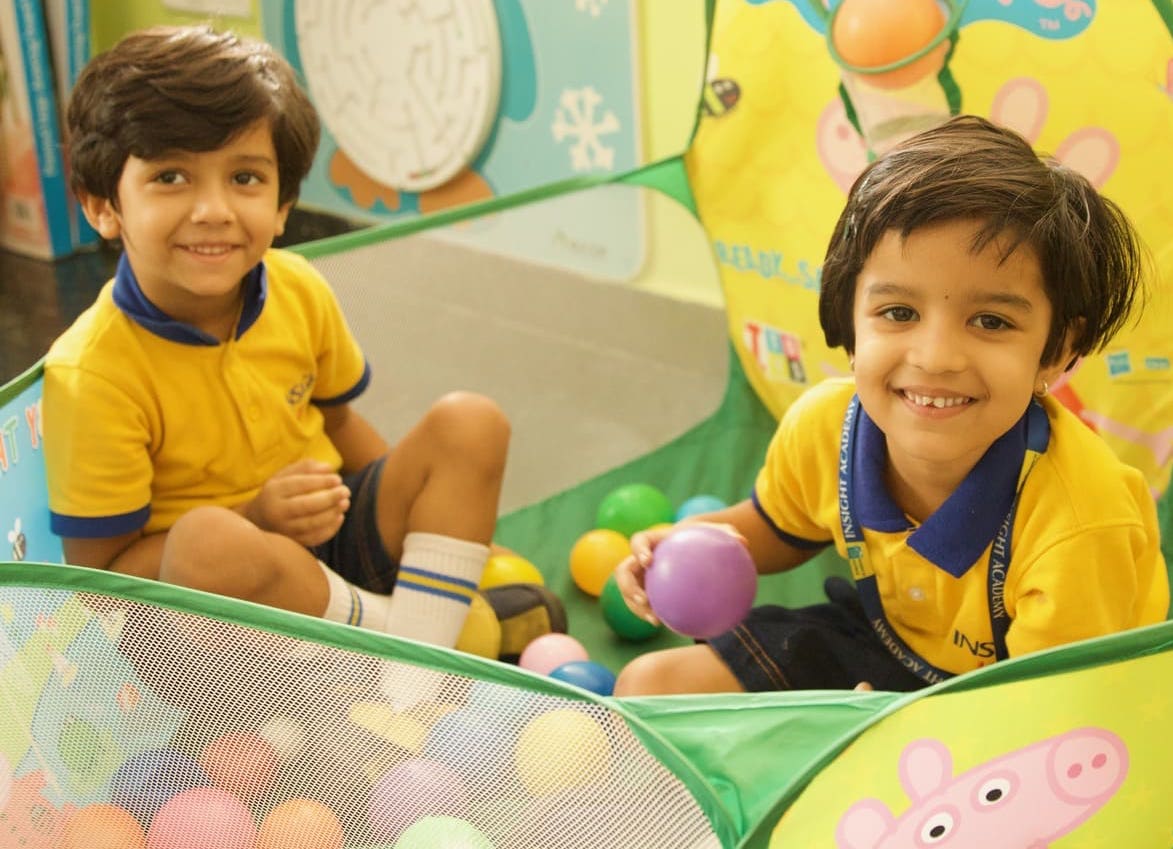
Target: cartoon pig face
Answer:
[[1021, 800]]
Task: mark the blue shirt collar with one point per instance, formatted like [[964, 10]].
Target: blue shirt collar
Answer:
[[954, 537], [130, 298]]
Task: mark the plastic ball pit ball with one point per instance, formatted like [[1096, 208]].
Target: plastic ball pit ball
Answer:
[[243, 764], [509, 569], [145, 781], [446, 832], [633, 508], [594, 557], [203, 817], [545, 653], [586, 674], [701, 581], [618, 615], [300, 824], [102, 826], [561, 749], [411, 790], [877, 33], [699, 504]]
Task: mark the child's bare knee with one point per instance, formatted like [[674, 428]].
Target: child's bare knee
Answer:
[[643, 676], [205, 548], [470, 423]]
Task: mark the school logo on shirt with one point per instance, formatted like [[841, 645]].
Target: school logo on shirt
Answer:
[[299, 389], [978, 648]]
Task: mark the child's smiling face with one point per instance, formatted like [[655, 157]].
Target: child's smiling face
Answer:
[[948, 343], [194, 224]]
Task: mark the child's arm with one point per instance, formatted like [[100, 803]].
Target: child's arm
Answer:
[[770, 553], [355, 438]]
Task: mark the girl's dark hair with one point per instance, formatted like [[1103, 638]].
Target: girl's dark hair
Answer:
[[185, 88], [1091, 259]]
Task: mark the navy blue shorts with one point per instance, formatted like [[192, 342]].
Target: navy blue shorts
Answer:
[[823, 647], [356, 552]]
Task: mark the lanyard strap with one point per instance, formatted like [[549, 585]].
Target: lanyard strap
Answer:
[[1037, 436]]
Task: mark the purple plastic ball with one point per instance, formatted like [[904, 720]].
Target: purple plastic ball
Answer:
[[701, 581]]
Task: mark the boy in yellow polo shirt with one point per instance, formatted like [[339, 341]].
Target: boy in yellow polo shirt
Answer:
[[198, 424], [981, 518]]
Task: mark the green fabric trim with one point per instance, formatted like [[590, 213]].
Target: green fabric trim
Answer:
[[22, 381], [750, 744], [668, 177], [1165, 10]]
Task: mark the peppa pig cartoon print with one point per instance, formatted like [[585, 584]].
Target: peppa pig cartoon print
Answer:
[[1021, 800]]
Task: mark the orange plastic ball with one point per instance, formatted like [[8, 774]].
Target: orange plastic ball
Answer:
[[102, 827], [243, 764], [300, 824], [595, 556], [875, 33]]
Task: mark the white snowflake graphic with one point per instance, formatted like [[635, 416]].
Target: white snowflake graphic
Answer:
[[592, 6], [577, 118]]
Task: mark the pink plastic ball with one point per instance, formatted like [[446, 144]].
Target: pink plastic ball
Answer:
[[546, 653], [701, 581], [411, 790], [203, 817]]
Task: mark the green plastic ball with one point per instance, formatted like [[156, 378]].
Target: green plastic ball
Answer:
[[633, 508], [618, 615]]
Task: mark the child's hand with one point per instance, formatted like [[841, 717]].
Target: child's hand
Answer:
[[306, 502], [629, 574]]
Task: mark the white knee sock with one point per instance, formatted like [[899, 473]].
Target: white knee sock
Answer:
[[353, 605], [437, 578]]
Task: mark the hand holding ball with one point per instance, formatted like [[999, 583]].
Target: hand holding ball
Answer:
[[701, 581]]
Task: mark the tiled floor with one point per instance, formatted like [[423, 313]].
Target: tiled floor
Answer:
[[39, 299]]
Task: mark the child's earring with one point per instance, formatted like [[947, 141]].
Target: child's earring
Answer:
[[1042, 393]]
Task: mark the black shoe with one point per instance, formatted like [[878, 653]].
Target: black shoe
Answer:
[[525, 611]]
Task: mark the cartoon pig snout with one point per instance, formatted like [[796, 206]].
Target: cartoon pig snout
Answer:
[[1087, 765]]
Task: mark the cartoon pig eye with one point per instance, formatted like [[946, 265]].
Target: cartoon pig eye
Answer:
[[994, 791], [936, 828]]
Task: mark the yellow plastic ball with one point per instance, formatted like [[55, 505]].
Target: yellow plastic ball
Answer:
[[481, 634], [594, 557], [561, 749], [509, 569], [875, 33]]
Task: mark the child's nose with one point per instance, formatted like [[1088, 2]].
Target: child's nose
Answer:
[[938, 348], [211, 205]]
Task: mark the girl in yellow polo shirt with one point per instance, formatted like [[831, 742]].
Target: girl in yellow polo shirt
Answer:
[[981, 518]]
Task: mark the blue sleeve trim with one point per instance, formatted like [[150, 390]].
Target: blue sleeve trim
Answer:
[[351, 394], [97, 527], [791, 539]]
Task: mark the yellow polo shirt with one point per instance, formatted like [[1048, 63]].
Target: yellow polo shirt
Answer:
[[146, 417], [1085, 551]]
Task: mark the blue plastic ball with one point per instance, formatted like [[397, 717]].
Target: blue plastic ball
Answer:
[[699, 504], [147, 780], [586, 674]]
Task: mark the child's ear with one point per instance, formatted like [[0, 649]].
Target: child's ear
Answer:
[[1067, 355], [282, 216], [1066, 359], [102, 215]]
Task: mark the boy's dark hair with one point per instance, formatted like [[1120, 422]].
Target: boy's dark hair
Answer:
[[185, 88], [1091, 259]]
